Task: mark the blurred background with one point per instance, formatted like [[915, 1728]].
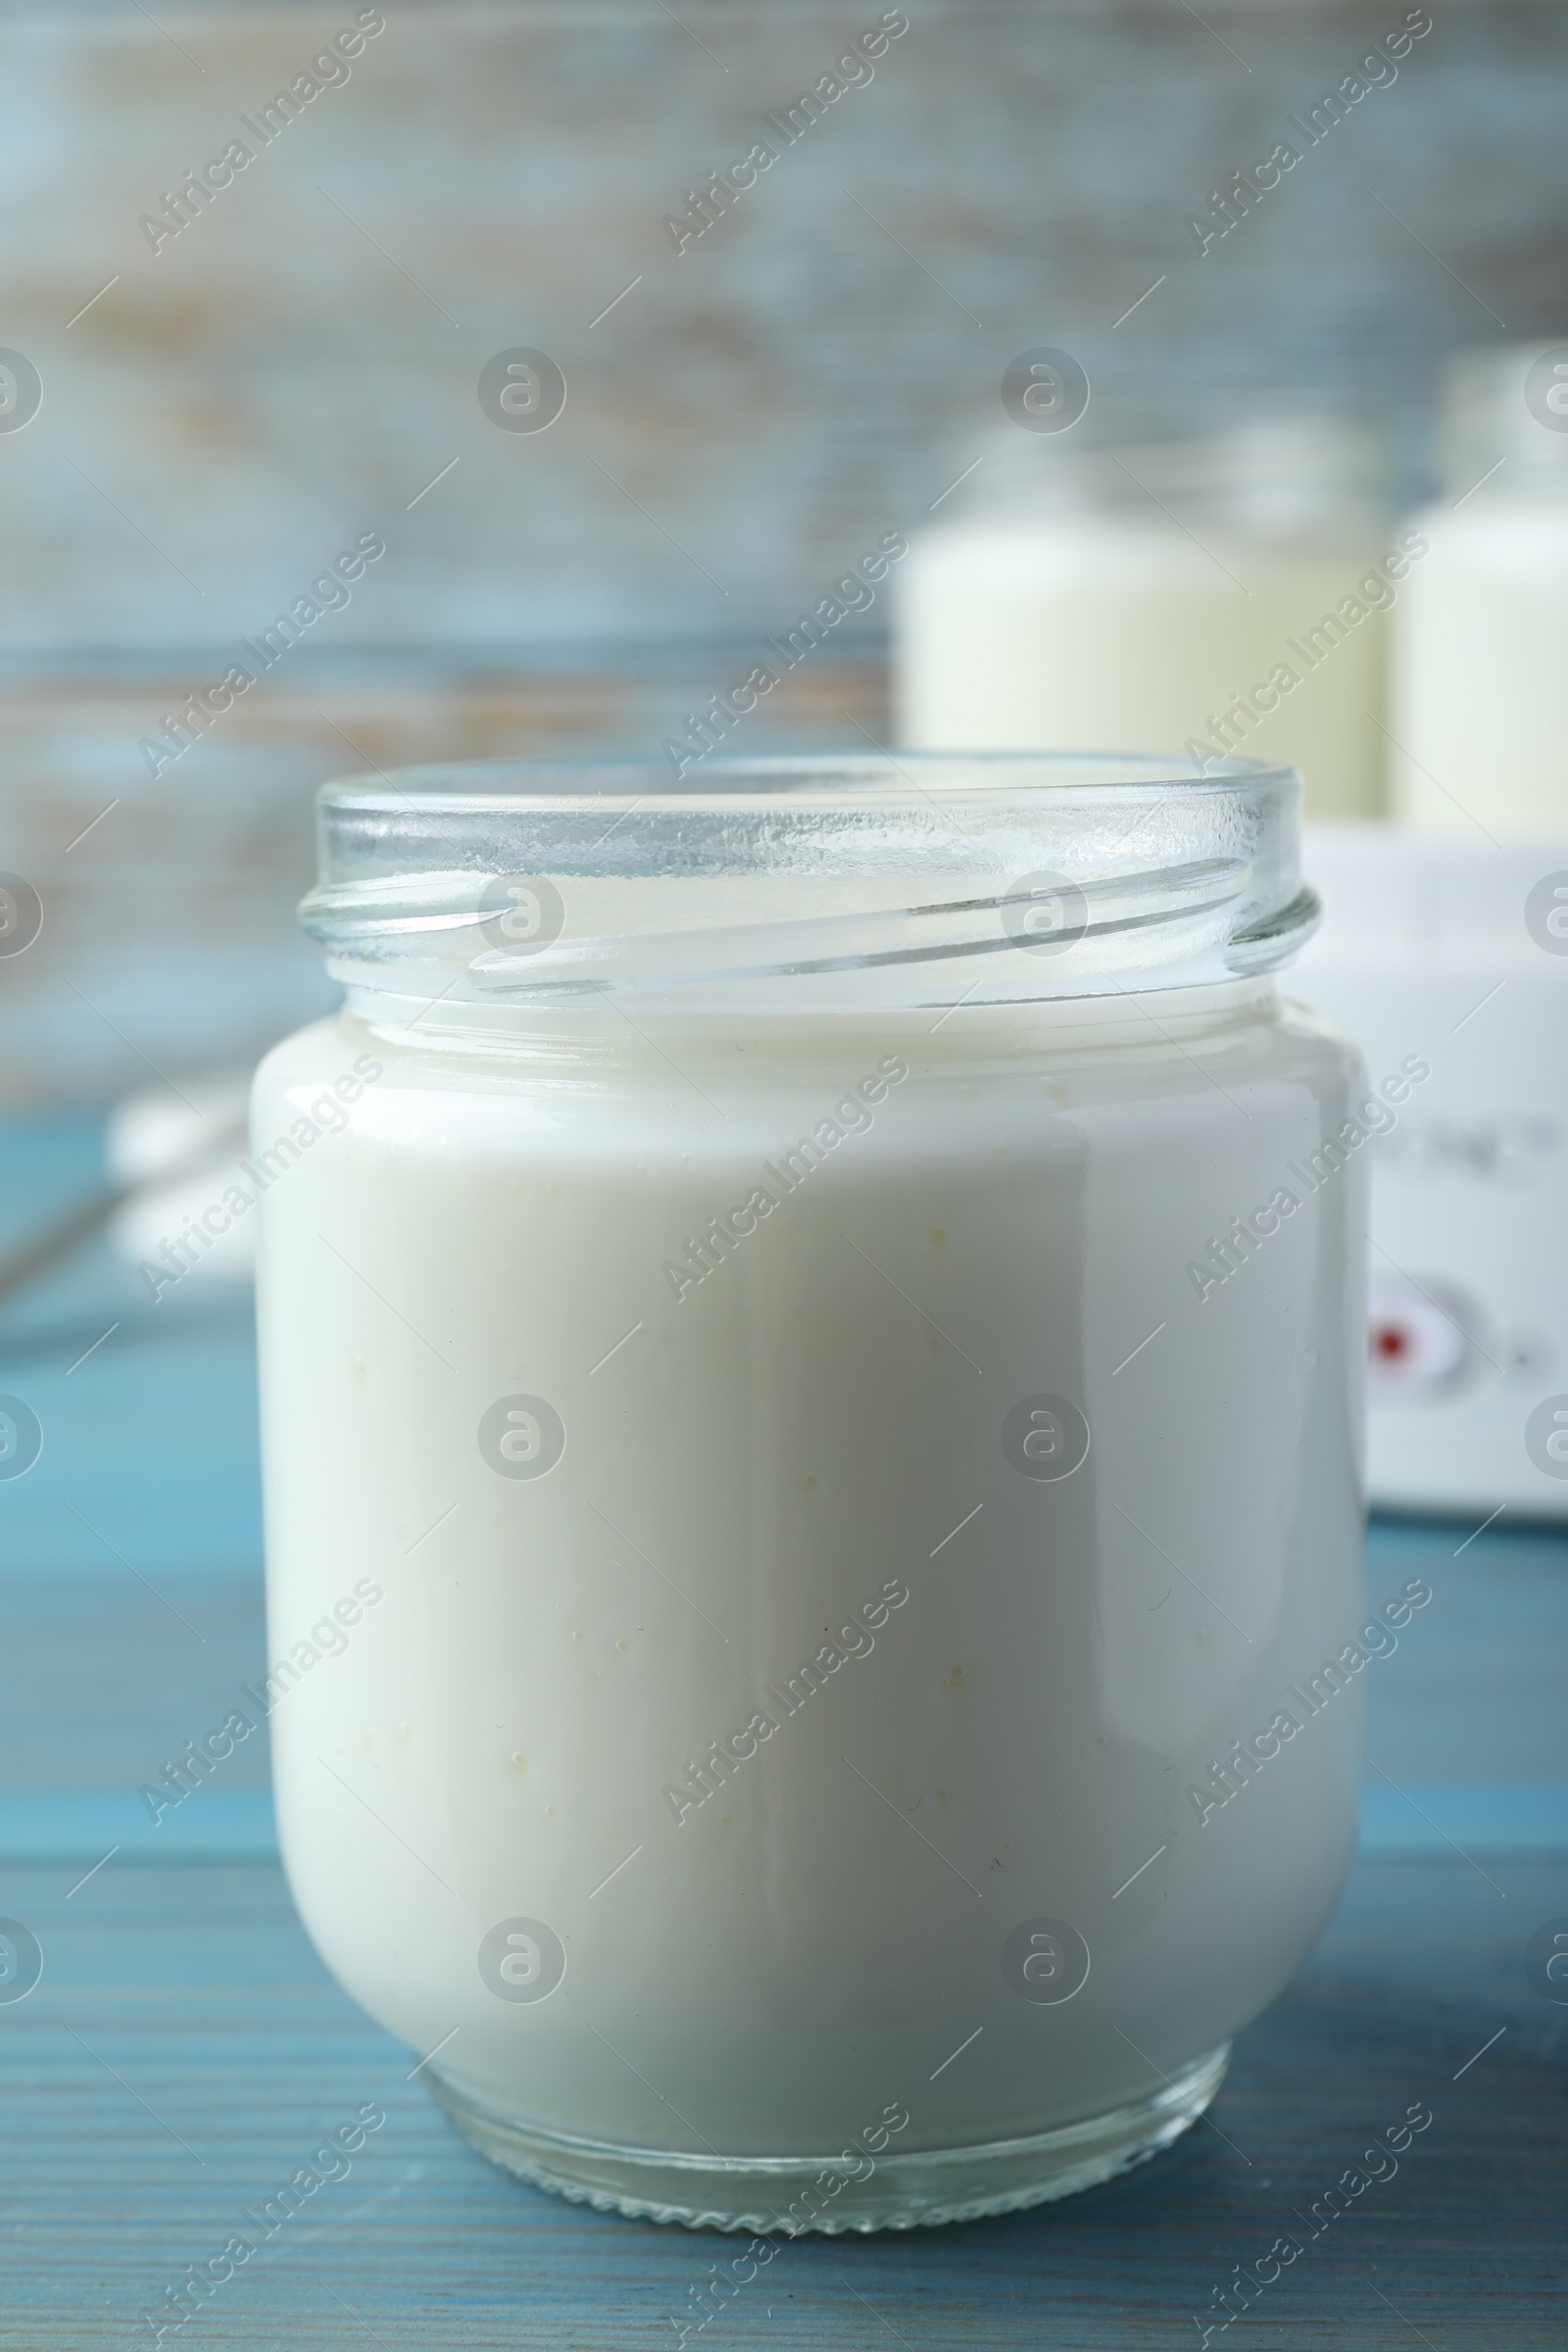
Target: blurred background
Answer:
[[297, 364]]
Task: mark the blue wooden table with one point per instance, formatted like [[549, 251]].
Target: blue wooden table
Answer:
[[185, 2051]]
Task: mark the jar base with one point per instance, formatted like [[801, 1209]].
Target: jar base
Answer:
[[765, 2194]]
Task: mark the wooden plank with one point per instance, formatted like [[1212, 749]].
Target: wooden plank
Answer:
[[301, 359], [234, 2053]]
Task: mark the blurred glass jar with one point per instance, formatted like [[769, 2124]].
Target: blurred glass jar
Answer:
[[1224, 594], [794, 1358], [1479, 672]]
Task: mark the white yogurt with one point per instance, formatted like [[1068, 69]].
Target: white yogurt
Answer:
[[1480, 688], [799, 1459], [1223, 597], [1111, 634], [1479, 705]]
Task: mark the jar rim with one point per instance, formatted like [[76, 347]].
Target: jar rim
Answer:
[[522, 784], [807, 881]]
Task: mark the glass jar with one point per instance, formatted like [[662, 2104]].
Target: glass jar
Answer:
[[1479, 702], [811, 1328], [1226, 594]]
